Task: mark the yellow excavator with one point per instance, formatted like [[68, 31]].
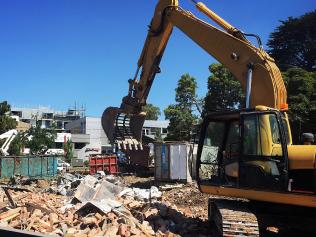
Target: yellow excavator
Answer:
[[244, 153]]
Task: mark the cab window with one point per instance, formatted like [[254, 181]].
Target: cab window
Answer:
[[275, 131]]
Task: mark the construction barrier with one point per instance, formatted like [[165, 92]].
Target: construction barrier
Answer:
[[30, 166]]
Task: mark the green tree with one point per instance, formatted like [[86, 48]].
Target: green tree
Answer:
[[42, 139], [186, 91], [181, 114], [224, 90], [18, 144], [6, 123], [293, 43], [152, 112], [68, 148], [301, 89]]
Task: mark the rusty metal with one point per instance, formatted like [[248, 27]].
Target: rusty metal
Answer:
[[233, 218], [123, 130]]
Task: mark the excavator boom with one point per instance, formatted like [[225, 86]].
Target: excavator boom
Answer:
[[252, 66]]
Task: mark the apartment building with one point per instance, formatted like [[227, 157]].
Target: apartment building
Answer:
[[46, 116]]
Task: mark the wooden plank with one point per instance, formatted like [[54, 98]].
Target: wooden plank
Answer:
[[9, 213]]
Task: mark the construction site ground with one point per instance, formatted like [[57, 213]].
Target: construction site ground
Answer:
[[107, 206], [194, 206], [186, 198]]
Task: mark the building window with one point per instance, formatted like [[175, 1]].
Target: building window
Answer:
[[47, 116], [47, 124], [59, 145], [17, 113], [59, 124], [79, 145]]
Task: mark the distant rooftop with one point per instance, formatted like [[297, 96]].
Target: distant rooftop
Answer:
[[29, 113]]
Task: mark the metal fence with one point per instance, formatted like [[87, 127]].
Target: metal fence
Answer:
[[30, 166]]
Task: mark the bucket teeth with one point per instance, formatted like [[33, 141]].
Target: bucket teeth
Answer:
[[123, 130], [124, 135]]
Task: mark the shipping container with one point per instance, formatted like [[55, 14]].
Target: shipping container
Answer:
[[106, 163], [172, 161], [30, 166]]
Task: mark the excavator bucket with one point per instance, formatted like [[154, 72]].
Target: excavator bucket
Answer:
[[124, 130]]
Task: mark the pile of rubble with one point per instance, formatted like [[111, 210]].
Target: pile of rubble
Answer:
[[92, 206]]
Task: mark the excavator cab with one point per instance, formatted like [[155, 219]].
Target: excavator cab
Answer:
[[244, 149]]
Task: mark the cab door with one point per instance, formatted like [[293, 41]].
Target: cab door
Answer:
[[263, 160]]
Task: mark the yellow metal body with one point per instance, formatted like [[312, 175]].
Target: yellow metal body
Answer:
[[230, 47], [233, 51], [216, 18], [301, 157], [266, 196]]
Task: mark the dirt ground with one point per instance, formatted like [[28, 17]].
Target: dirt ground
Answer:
[[178, 209], [193, 205], [186, 199]]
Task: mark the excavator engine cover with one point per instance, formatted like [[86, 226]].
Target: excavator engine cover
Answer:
[[124, 130]]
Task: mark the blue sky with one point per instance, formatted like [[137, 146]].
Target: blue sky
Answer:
[[57, 52]]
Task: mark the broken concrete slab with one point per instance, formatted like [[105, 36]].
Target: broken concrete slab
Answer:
[[103, 207], [103, 190], [107, 190], [84, 193], [94, 207]]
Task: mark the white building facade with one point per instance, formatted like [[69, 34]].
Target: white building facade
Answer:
[[98, 141]]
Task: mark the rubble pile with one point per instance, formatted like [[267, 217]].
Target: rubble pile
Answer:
[[93, 206]]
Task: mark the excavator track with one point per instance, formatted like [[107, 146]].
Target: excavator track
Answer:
[[232, 218]]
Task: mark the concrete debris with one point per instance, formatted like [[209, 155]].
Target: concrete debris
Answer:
[[84, 193], [142, 194], [113, 179], [99, 206], [90, 181], [89, 191], [101, 173], [168, 187], [94, 207]]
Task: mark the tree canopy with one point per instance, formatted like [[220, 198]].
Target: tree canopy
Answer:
[[41, 139], [293, 46], [152, 112], [17, 144], [301, 89], [293, 43], [224, 90], [181, 114], [6, 123]]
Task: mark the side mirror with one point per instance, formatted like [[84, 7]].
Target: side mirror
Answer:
[[308, 138]]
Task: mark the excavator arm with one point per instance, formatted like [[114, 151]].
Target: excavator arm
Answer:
[[252, 66]]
